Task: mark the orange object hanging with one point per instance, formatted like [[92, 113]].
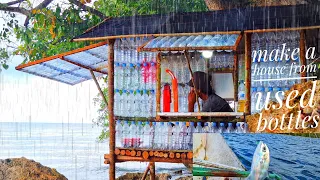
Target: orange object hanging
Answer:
[[174, 90]]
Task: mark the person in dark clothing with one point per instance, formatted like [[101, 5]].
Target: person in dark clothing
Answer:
[[211, 101]]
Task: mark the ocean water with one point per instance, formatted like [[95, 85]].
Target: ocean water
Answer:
[[72, 149], [291, 157]]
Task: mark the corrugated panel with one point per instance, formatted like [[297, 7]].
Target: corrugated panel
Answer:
[[72, 68], [193, 41]]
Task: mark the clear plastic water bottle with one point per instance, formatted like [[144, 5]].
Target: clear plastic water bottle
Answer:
[[157, 136], [253, 100], [118, 133], [125, 76], [133, 134], [139, 141], [221, 129], [152, 135], [146, 135], [117, 105], [205, 128], [189, 138], [130, 73], [230, 128], [123, 104], [214, 128], [198, 128], [152, 104], [169, 136], [164, 136], [152, 74], [117, 77], [246, 128], [137, 104], [238, 128], [125, 135], [175, 136], [144, 76], [182, 136], [144, 104], [130, 101]]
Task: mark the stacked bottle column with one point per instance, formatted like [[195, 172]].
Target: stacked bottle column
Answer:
[[168, 135], [135, 79], [265, 77]]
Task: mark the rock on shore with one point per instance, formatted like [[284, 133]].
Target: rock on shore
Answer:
[[25, 169]]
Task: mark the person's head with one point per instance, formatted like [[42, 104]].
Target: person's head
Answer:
[[202, 82]]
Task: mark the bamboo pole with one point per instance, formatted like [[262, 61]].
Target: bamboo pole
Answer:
[[152, 171], [235, 77], [282, 29], [145, 174], [112, 138], [247, 37], [302, 45], [99, 88], [186, 55], [189, 48], [158, 89]]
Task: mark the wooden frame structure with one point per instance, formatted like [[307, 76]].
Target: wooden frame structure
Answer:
[[115, 154]]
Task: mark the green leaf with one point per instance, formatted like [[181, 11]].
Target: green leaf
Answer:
[[5, 66]]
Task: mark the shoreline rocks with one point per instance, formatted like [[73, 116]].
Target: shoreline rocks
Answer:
[[25, 169]]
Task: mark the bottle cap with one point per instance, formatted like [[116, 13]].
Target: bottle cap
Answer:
[[184, 123], [198, 123], [151, 91], [238, 124], [117, 64], [254, 89], [191, 123], [124, 65], [139, 122], [154, 123], [118, 121], [131, 39], [245, 125], [221, 124], [161, 123], [138, 65], [124, 91], [117, 90], [148, 123], [169, 123], [131, 65], [126, 122], [229, 124], [214, 124], [137, 91], [145, 64], [242, 95], [270, 89], [206, 124], [131, 91], [153, 64], [286, 88], [138, 38], [145, 91], [177, 123]]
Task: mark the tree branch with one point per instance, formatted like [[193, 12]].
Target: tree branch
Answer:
[[14, 2], [44, 4], [89, 9], [4, 7]]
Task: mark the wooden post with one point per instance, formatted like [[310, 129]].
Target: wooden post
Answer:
[[112, 138], [247, 53], [99, 88], [235, 76], [152, 171], [158, 89], [145, 174], [302, 46]]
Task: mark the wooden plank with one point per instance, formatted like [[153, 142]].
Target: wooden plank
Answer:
[[236, 45], [152, 171], [204, 114], [158, 88], [235, 77], [146, 172], [247, 38], [281, 29], [112, 138], [302, 45]]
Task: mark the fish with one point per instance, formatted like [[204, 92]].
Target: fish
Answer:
[[260, 163]]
